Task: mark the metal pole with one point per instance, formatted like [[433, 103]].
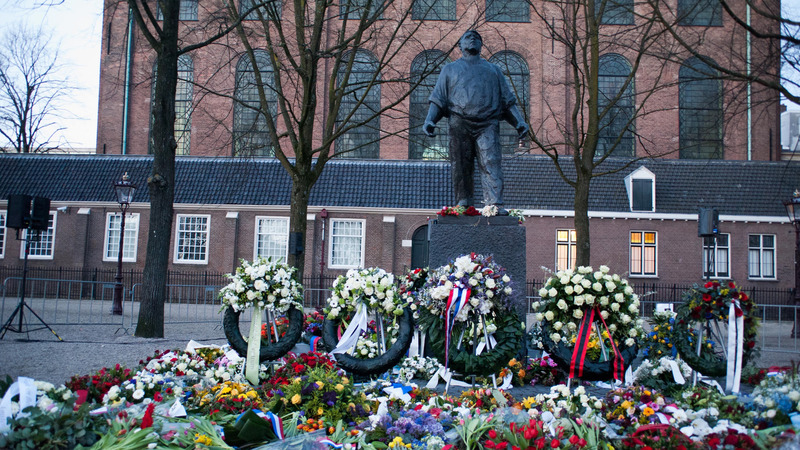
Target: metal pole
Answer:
[[796, 274], [116, 305]]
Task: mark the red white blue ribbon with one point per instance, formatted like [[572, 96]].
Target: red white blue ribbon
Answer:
[[275, 421], [455, 302], [330, 443], [315, 340]]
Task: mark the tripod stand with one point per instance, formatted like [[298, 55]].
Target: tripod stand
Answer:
[[19, 311]]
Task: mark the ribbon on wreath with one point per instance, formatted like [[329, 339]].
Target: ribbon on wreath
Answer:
[[735, 347], [253, 361], [457, 299], [353, 331], [582, 345]]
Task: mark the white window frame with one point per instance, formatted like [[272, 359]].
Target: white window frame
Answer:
[[131, 234], [761, 250], [640, 247], [331, 245], [51, 232], [177, 259], [719, 250], [256, 234], [572, 248]]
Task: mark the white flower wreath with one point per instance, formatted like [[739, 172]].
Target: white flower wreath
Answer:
[[568, 293], [265, 284], [373, 287], [488, 282]]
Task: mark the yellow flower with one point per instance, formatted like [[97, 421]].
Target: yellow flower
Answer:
[[202, 439], [655, 328], [648, 411], [320, 412], [339, 387], [345, 380], [528, 402], [320, 384], [296, 399], [626, 404]]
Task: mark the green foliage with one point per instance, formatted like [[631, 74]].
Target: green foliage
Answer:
[[61, 428]]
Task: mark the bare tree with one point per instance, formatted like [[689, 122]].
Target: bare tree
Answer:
[[31, 87], [324, 75]]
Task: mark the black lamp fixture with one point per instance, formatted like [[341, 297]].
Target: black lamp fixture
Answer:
[[124, 191]]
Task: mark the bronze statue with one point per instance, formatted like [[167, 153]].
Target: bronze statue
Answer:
[[474, 94]]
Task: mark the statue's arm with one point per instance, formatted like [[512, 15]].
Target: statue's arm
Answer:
[[435, 114], [514, 117]]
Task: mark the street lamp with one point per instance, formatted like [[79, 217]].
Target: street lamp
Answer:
[[793, 210], [124, 190]]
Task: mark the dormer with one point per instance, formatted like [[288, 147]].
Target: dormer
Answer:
[[641, 187]]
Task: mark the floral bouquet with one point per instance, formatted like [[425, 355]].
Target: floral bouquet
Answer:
[[658, 342], [419, 367], [625, 409], [312, 325], [297, 365], [488, 283], [410, 288], [774, 399], [486, 399], [372, 287], [658, 374], [459, 211], [265, 284], [228, 397], [563, 402], [98, 384], [542, 371], [411, 426]]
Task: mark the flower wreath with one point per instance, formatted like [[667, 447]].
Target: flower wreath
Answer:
[[374, 289], [264, 283], [489, 295], [709, 302], [568, 297]]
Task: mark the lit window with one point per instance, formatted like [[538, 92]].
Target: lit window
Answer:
[[425, 71], [347, 244], [433, 10], [643, 253], [761, 255], [113, 225], [566, 249], [272, 238], [721, 251], [361, 103], [191, 239], [2, 234], [508, 11], [706, 13], [41, 247]]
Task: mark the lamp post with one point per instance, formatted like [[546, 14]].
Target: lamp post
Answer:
[[793, 211], [124, 190]]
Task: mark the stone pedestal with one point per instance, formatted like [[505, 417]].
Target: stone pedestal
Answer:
[[503, 237]]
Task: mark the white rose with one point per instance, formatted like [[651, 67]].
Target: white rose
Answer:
[[490, 283], [508, 290], [628, 290], [562, 305], [578, 313], [138, 394], [473, 282], [794, 396], [604, 269], [539, 317], [564, 280], [506, 279], [571, 326], [626, 318], [597, 286], [629, 342], [578, 289], [557, 326], [578, 300], [549, 315], [259, 285], [610, 286], [577, 279], [543, 293], [633, 308], [615, 307], [589, 299], [633, 333], [555, 337], [552, 292], [612, 327], [598, 275], [604, 301], [489, 294], [604, 314]]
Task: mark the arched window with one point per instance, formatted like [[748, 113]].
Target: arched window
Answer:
[[700, 106], [516, 70], [615, 12], [183, 105], [250, 128], [433, 10], [616, 108], [360, 141], [424, 72]]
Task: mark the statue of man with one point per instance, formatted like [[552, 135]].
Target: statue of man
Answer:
[[474, 94]]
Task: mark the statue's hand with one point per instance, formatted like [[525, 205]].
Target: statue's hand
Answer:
[[523, 129], [428, 128]]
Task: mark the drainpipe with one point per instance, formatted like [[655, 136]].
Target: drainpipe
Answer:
[[749, 93], [127, 90], [324, 216]]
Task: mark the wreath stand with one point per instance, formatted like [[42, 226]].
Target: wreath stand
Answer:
[[476, 349], [342, 346]]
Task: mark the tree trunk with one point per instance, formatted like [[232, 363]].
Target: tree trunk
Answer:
[[161, 182], [301, 189], [582, 219]]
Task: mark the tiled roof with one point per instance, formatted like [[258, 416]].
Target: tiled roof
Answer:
[[733, 187]]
